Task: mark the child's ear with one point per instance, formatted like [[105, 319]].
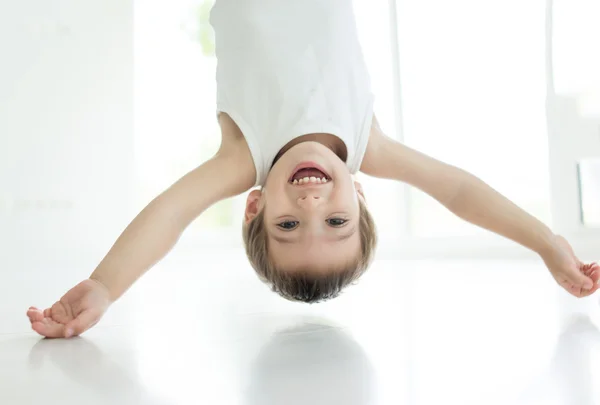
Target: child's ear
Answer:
[[359, 190], [252, 205]]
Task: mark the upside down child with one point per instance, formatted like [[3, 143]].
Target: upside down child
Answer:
[[295, 110]]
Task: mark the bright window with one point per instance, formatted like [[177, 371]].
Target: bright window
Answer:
[[383, 197], [175, 89], [473, 95]]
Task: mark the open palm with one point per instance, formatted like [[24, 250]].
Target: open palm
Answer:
[[77, 311]]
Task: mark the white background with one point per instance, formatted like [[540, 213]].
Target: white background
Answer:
[[66, 129]]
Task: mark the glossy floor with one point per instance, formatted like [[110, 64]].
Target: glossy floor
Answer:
[[412, 333]]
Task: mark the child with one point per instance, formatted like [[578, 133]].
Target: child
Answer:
[[296, 116]]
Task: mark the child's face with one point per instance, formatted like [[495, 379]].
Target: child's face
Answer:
[[310, 224]]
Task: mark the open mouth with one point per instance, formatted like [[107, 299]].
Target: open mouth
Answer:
[[309, 173]]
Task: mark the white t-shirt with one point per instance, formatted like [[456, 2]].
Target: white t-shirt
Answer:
[[288, 68]]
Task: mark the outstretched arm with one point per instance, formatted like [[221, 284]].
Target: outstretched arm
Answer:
[[154, 232], [149, 237], [474, 201]]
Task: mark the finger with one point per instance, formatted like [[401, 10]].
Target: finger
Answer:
[[586, 293], [592, 271], [593, 290], [60, 313], [48, 328], [48, 313], [594, 274], [83, 322], [578, 291], [35, 315], [580, 280]]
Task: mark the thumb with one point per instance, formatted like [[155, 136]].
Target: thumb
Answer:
[[83, 322], [581, 280]]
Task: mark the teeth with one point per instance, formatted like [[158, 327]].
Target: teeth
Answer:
[[306, 180]]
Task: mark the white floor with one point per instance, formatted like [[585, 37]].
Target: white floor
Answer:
[[205, 331]]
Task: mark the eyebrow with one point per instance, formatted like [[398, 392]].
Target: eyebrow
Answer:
[[340, 238]]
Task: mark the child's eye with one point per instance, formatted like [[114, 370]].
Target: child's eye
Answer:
[[336, 221], [288, 225]]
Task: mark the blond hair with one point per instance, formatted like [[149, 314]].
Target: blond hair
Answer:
[[305, 285]]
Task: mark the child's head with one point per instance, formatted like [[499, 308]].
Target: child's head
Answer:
[[308, 232]]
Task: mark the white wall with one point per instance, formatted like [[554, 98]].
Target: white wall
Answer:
[[573, 38], [66, 129]]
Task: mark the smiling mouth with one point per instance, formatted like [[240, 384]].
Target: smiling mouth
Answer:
[[305, 174]]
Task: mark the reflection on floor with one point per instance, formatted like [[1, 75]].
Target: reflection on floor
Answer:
[[412, 333]]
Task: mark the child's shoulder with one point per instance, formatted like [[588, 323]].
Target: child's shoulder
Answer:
[[380, 153], [232, 138], [230, 132], [234, 147], [374, 146]]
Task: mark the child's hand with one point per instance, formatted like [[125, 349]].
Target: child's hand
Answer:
[[77, 311], [577, 278]]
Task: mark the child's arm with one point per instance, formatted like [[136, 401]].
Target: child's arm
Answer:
[[474, 201], [154, 232], [150, 236]]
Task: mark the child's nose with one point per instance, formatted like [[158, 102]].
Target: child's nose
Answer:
[[308, 202]]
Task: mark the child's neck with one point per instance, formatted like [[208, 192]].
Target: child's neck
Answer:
[[332, 142]]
